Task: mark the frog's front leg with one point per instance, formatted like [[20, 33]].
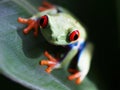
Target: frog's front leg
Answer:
[[51, 62], [32, 24]]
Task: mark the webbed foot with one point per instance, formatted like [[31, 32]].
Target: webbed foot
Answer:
[[75, 75], [51, 62], [32, 24]]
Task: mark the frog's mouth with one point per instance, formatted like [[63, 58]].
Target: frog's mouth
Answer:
[[61, 42]]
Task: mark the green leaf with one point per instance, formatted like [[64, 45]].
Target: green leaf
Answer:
[[20, 54]]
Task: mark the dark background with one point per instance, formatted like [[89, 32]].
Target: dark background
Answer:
[[100, 18]]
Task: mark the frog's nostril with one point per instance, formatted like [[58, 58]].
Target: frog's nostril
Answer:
[[54, 38]]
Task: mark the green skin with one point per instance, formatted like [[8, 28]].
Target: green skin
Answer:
[[60, 25]]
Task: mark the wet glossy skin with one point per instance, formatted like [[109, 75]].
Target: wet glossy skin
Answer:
[[62, 28]]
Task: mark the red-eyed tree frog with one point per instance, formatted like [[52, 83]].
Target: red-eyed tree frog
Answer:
[[59, 27]]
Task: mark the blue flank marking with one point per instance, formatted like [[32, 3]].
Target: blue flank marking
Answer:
[[82, 46], [70, 46]]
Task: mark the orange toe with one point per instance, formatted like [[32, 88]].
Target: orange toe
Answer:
[[48, 70], [72, 70], [47, 4], [44, 62], [78, 81], [50, 57], [22, 20], [42, 9], [75, 76]]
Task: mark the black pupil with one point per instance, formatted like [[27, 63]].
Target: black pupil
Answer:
[[76, 37], [41, 21]]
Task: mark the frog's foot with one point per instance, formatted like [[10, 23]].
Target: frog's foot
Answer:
[[51, 62], [45, 6], [72, 70], [76, 76], [32, 24]]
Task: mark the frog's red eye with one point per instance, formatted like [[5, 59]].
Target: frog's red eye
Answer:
[[74, 35], [43, 21]]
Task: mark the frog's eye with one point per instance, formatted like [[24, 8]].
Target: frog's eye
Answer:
[[43, 21], [74, 35]]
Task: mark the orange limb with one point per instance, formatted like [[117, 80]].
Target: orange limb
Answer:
[[50, 57], [42, 8], [50, 65], [22, 20], [78, 80], [72, 70], [45, 6], [51, 62], [75, 76], [32, 24]]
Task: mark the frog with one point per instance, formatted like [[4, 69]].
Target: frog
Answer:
[[60, 27]]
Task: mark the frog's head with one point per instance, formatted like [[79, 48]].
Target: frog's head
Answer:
[[61, 29]]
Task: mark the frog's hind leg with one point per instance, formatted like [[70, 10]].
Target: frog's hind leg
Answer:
[[83, 64], [85, 61], [75, 73], [45, 6]]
